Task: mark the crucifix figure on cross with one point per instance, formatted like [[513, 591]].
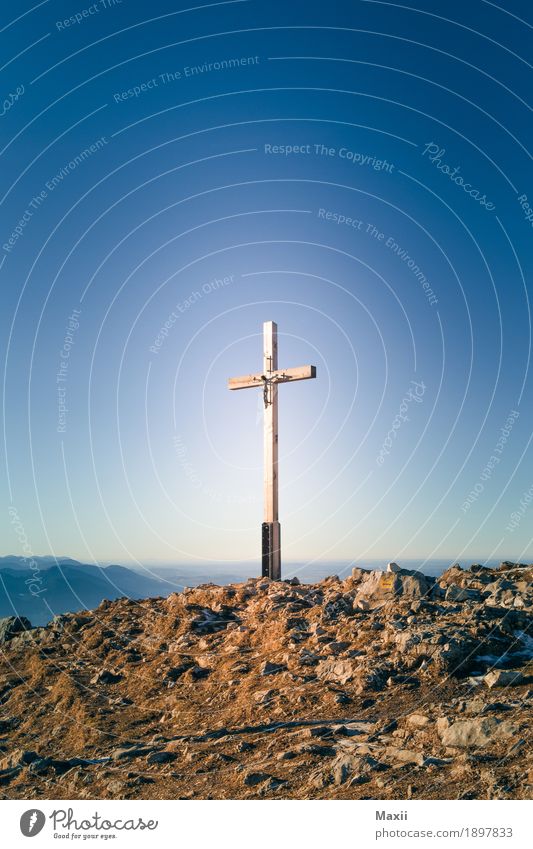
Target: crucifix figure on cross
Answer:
[[268, 381]]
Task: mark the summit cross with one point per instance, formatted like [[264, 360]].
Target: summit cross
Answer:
[[268, 380]]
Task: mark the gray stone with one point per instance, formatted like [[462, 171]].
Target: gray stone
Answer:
[[269, 668], [340, 671], [19, 757], [130, 752], [196, 673], [455, 593], [252, 779], [116, 788], [105, 676], [7, 775], [378, 587], [475, 733], [289, 755], [342, 769], [320, 751], [163, 757], [418, 720], [502, 678], [405, 756], [12, 625]]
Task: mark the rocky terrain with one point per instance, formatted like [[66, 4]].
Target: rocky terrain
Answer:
[[381, 686]]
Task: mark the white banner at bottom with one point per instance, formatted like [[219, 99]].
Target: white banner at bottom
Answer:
[[243, 824]]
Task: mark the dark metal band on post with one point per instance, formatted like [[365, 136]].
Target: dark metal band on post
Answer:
[[270, 548]]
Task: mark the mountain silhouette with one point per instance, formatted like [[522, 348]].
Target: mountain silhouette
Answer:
[[66, 585]]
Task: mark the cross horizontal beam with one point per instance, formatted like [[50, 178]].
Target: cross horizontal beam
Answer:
[[288, 375]]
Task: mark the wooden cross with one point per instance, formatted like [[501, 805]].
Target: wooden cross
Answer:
[[268, 380]]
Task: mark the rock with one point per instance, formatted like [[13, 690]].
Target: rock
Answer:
[[269, 668], [19, 757], [308, 658], [455, 593], [452, 575], [496, 707], [343, 768], [507, 565], [252, 779], [418, 720], [393, 567], [378, 587], [40, 766], [105, 676], [8, 723], [475, 733], [12, 625], [116, 788], [163, 757], [263, 697], [43, 766], [352, 769], [336, 608], [337, 647], [176, 672], [196, 673], [340, 671], [405, 756], [319, 731], [502, 678], [8, 775], [320, 751], [289, 755], [127, 753]]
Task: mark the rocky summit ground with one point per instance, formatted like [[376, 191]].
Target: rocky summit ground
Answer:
[[381, 686]]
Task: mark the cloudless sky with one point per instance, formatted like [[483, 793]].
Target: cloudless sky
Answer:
[[194, 169]]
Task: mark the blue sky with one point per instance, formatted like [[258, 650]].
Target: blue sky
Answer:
[[173, 177]]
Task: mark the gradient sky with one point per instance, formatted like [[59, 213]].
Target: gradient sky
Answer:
[[184, 227]]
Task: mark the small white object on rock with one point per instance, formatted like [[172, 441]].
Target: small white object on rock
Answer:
[[393, 567]]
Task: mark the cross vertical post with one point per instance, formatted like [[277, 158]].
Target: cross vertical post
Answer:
[[268, 380], [270, 532]]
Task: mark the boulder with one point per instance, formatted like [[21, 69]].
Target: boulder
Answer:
[[252, 779], [19, 757], [343, 768], [475, 733], [163, 757], [12, 625], [340, 671], [418, 720], [129, 752], [197, 673], [502, 678], [377, 588], [105, 676], [455, 593], [404, 756], [269, 668]]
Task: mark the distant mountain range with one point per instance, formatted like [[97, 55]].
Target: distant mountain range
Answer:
[[63, 585], [66, 585]]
